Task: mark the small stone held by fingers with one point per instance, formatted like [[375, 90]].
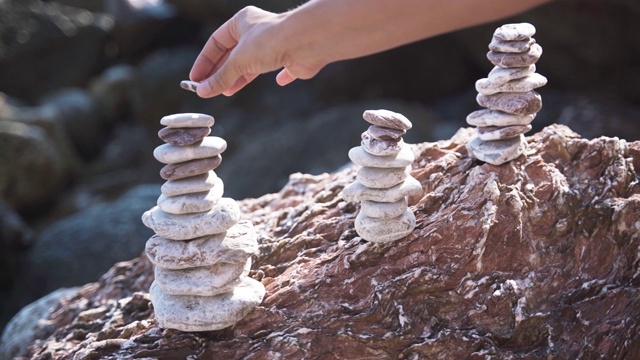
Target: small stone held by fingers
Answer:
[[189, 85]]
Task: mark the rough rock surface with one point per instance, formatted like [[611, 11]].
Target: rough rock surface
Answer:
[[532, 259]]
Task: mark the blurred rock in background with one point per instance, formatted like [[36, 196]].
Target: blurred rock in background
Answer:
[[84, 84]]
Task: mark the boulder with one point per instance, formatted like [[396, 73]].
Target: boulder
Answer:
[[530, 259]]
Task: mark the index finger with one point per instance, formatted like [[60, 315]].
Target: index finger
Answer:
[[219, 44]]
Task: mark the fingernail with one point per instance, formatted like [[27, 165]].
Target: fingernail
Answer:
[[189, 85]]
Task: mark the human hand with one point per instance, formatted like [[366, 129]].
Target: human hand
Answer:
[[251, 43]]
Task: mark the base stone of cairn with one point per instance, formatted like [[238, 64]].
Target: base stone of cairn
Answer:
[[383, 182], [201, 250], [508, 94]]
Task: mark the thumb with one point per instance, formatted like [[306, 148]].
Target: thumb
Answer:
[[221, 81]]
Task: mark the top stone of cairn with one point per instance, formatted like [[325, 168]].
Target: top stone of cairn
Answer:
[[514, 32], [388, 119], [187, 120]]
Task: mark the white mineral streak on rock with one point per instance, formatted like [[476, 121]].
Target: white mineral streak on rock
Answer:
[[508, 94], [383, 183], [201, 251]]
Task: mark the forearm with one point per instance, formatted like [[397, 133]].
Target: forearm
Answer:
[[346, 29]]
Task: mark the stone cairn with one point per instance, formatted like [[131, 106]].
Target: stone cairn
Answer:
[[508, 95], [383, 182], [201, 250]]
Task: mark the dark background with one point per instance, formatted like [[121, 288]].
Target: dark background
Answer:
[[84, 83]]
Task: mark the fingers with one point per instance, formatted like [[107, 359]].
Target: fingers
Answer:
[[284, 77], [215, 51]]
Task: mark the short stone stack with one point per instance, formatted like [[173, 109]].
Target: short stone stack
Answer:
[[201, 251], [383, 182], [508, 95]]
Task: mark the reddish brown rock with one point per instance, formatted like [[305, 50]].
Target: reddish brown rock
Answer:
[[190, 168], [183, 136], [533, 260]]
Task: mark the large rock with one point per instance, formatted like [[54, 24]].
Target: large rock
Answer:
[[530, 259]]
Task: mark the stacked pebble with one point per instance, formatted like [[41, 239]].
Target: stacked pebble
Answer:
[[508, 94], [383, 182], [201, 251]]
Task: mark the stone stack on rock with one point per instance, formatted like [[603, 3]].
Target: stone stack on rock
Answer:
[[508, 95], [383, 183], [201, 250]]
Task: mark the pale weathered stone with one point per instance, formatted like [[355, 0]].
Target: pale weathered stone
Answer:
[[190, 168], [236, 245], [384, 230], [190, 226], [499, 75], [193, 184], [487, 117], [356, 191], [531, 82], [498, 45], [189, 85], [509, 60], [210, 146], [514, 32], [187, 120], [502, 132], [360, 157], [201, 281], [183, 136], [381, 178], [193, 202], [206, 313], [388, 119], [380, 147], [513, 103], [497, 152], [383, 210], [383, 133]]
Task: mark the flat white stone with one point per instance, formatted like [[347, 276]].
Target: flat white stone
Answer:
[[382, 178], [499, 75], [387, 118], [206, 313], [383, 210], [528, 83], [190, 226], [525, 103], [385, 230], [192, 203], [234, 246], [358, 192], [511, 46], [209, 147], [486, 117], [360, 157], [514, 32], [201, 281], [502, 132], [189, 185], [189, 85], [187, 120], [497, 152]]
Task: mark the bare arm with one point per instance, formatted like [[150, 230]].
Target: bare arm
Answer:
[[304, 40]]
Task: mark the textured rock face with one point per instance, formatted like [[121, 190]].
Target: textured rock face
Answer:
[[534, 259]]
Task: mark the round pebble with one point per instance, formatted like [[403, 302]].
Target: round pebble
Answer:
[[513, 103], [388, 119], [514, 32], [187, 120], [358, 192], [385, 230], [508, 60], [206, 313], [499, 75], [210, 146], [201, 281], [383, 210], [183, 136], [189, 185], [502, 132], [497, 152], [383, 133], [361, 157], [486, 117], [380, 147], [190, 168], [381, 178], [531, 82], [498, 45], [192, 203]]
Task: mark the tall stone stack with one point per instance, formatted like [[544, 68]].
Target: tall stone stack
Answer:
[[383, 182], [508, 95], [201, 250]]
